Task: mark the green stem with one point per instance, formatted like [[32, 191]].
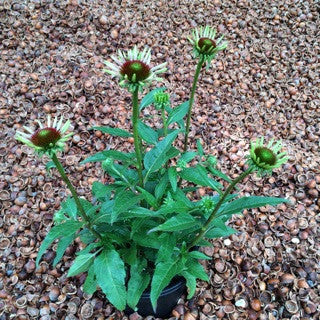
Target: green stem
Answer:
[[193, 90], [82, 213], [205, 227], [165, 127], [137, 142]]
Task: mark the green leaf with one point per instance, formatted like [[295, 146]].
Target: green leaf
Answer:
[[155, 158], [139, 212], [90, 285], [110, 274], [191, 283], [86, 236], [69, 207], [138, 282], [68, 227], [124, 200], [149, 98], [100, 190], [152, 201], [114, 154], [188, 156], [178, 113], [219, 233], [166, 249], [173, 207], [238, 205], [198, 255], [219, 174], [196, 269], [161, 186], [63, 244], [172, 174], [179, 222], [114, 131], [146, 133], [81, 264], [200, 148], [49, 166], [163, 274], [198, 175]]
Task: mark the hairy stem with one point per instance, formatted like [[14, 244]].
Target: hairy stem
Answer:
[[193, 90], [205, 227], [137, 141], [75, 196], [165, 126]]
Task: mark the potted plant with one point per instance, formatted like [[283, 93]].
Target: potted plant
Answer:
[[142, 230]]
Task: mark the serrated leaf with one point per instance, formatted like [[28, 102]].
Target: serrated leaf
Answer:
[[196, 269], [114, 131], [81, 264], [199, 175], [63, 244], [124, 200], [200, 148], [219, 174], [139, 212], [166, 249], [179, 222], [90, 285], [188, 156], [161, 186], [146, 133], [238, 205], [219, 233], [100, 190], [114, 154], [155, 158], [149, 98], [152, 201], [138, 282], [191, 283], [69, 207], [172, 174], [56, 232], [110, 273], [178, 113], [198, 255], [163, 274], [86, 236]]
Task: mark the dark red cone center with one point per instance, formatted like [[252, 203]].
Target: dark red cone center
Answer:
[[139, 68], [206, 44], [266, 155], [45, 136]]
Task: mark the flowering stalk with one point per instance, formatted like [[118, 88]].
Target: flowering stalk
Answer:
[[205, 227], [164, 120], [137, 141], [193, 90], [74, 194]]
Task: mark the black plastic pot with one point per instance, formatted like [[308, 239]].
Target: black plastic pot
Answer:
[[167, 301]]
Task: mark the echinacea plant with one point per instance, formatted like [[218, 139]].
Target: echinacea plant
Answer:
[[143, 228]]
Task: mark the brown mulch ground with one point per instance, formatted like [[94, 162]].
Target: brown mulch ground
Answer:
[[265, 83]]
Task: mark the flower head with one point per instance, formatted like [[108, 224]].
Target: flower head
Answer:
[[205, 45], [47, 139], [266, 158], [133, 69]]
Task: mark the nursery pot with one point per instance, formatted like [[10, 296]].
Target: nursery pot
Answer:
[[166, 301]]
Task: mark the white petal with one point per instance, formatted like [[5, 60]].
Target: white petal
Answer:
[[28, 129], [54, 122], [65, 127], [59, 123], [40, 124], [49, 121]]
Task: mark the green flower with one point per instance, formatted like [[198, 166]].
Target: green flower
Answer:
[[133, 69], [266, 158], [161, 100], [207, 204], [205, 45], [47, 139]]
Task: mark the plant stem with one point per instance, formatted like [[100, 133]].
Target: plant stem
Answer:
[[137, 142], [204, 229], [165, 127], [75, 196], [193, 90]]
